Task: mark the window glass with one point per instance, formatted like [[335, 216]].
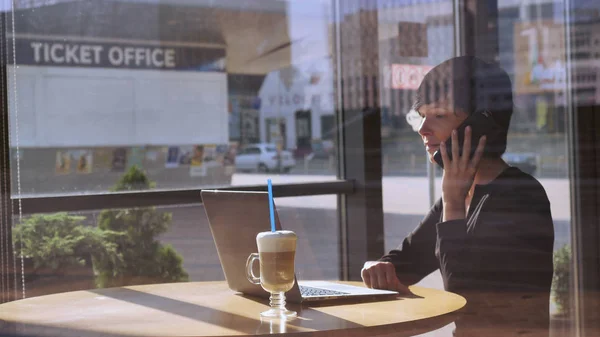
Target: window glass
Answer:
[[176, 95], [534, 51], [185, 250], [413, 39], [537, 64], [94, 92]]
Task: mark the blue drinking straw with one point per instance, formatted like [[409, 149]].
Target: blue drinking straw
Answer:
[[271, 211]]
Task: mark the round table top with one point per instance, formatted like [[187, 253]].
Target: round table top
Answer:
[[212, 309]]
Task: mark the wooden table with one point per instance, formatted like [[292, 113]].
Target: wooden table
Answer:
[[211, 309]]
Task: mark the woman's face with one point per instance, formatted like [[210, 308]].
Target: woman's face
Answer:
[[438, 122]]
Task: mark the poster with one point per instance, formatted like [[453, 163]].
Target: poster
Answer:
[[63, 162], [229, 158], [210, 154], [84, 161], [540, 64], [119, 160], [185, 154], [197, 165], [172, 157], [220, 152], [103, 158]]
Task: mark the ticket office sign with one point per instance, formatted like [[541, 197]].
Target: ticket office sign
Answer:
[[117, 55]]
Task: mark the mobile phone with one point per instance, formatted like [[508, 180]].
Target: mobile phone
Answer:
[[482, 124]]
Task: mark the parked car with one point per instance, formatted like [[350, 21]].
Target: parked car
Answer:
[[263, 157], [524, 161]]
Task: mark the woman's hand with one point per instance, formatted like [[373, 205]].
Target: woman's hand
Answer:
[[459, 173], [382, 275]]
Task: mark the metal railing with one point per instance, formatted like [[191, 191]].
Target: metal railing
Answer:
[[146, 198]]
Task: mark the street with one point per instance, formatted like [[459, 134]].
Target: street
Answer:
[[401, 195]]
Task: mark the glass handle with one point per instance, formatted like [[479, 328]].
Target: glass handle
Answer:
[[249, 272]]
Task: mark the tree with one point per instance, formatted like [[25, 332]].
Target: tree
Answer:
[[60, 252], [60, 241], [144, 259]]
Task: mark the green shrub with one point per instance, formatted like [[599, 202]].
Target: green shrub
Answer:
[[122, 249], [561, 281], [145, 260], [58, 241]]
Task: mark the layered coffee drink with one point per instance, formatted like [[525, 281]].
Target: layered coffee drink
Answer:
[[277, 251]]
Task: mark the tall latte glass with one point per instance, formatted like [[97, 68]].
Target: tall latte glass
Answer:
[[276, 253]]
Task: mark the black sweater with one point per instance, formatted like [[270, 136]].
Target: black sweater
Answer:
[[499, 258], [505, 243]]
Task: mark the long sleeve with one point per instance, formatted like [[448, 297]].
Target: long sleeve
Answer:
[[505, 243], [499, 257], [415, 257], [500, 260]]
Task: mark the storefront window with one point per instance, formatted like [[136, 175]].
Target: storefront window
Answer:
[[96, 93]]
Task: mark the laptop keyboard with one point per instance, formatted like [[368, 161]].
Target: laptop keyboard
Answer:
[[310, 291]]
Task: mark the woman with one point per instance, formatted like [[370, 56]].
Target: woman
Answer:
[[491, 233]]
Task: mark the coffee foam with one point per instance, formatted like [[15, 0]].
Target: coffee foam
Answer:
[[279, 241]]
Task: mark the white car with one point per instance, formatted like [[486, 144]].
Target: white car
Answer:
[[263, 157]]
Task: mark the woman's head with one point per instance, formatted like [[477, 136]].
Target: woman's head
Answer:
[[456, 88]]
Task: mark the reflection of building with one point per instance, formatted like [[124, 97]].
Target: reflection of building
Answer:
[[586, 62], [297, 105], [145, 79], [80, 75], [541, 69], [108, 74], [586, 41], [405, 58], [539, 56], [398, 20], [244, 105], [244, 118], [586, 82]]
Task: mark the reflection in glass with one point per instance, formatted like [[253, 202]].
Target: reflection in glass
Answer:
[[66, 252], [533, 50], [95, 92]]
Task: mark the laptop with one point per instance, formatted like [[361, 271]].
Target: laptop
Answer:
[[235, 218]]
